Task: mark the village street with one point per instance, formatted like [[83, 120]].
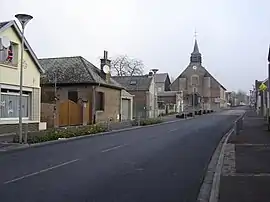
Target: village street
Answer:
[[160, 163]]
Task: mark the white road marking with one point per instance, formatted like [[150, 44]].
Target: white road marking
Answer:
[[113, 148], [173, 130], [41, 171]]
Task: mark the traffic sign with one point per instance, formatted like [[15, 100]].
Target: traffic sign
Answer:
[[262, 87]]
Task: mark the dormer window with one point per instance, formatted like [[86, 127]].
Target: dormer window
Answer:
[[133, 82]]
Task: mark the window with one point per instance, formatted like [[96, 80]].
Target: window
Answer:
[[194, 80], [9, 105], [9, 55], [100, 101], [73, 96]]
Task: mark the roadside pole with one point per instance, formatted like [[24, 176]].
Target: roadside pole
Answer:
[[268, 100]]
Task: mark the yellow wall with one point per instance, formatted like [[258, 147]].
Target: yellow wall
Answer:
[[11, 74]]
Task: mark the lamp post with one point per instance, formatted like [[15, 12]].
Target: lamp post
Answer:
[[23, 19], [155, 97], [193, 100]]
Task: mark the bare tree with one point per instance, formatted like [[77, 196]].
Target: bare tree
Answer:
[[125, 66], [241, 95]]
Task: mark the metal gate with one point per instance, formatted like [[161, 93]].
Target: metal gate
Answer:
[[126, 109]]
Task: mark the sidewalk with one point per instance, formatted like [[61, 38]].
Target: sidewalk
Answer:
[[246, 168]]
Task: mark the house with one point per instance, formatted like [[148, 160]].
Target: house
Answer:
[[168, 101], [81, 92], [143, 89], [196, 82], [162, 82], [10, 46]]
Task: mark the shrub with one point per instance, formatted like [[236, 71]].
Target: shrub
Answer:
[[150, 121], [55, 134]]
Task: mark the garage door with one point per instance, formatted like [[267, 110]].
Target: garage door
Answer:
[[125, 109]]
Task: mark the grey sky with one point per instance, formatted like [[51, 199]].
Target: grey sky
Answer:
[[233, 35]]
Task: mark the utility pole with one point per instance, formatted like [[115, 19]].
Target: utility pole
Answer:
[[268, 89], [155, 96]]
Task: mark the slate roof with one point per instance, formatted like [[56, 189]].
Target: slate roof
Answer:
[[196, 48], [161, 77], [6, 25], [2, 24], [73, 70], [140, 83]]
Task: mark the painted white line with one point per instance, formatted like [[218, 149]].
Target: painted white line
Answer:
[[113, 148], [173, 130], [41, 171]]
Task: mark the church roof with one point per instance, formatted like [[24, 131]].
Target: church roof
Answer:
[[196, 58]]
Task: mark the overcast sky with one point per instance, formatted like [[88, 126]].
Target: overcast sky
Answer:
[[233, 35]]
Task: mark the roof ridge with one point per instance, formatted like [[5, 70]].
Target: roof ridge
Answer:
[[49, 58], [145, 75], [8, 21]]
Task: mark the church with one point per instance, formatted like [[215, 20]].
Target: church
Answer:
[[201, 91]]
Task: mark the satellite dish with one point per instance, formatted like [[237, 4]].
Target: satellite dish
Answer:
[[5, 41], [106, 69]]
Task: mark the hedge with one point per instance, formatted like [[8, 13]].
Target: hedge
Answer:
[[55, 134], [149, 121]]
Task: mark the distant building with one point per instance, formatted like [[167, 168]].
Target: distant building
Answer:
[[195, 81], [143, 89], [168, 101]]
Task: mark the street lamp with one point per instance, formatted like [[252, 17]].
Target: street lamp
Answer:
[[23, 19], [155, 97]]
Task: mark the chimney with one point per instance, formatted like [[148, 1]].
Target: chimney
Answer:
[[105, 61]]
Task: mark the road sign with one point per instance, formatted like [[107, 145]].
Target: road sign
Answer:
[[262, 87]]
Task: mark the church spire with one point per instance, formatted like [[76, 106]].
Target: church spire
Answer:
[[196, 56], [196, 48]]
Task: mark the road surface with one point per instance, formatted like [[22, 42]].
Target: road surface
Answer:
[[164, 163]]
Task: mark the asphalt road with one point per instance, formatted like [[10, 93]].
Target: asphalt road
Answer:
[[162, 163]]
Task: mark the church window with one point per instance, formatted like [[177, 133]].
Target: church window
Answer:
[[194, 80]]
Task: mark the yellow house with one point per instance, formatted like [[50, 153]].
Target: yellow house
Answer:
[[10, 81]]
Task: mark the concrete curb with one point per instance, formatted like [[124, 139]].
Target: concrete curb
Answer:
[[27, 146], [209, 191]]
